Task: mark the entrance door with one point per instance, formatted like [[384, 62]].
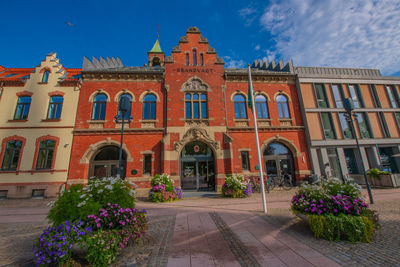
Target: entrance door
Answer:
[[278, 161], [105, 163], [197, 167]]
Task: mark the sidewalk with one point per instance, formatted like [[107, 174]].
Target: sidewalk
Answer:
[[217, 231]]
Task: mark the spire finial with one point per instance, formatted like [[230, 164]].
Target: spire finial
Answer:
[[158, 30]]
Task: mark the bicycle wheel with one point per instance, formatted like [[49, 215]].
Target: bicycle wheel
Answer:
[[287, 182], [270, 184]]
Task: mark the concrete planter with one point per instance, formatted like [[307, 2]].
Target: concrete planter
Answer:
[[385, 180]]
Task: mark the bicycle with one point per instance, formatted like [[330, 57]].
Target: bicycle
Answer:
[[284, 181]]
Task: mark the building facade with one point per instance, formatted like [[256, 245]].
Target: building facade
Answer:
[[189, 119], [332, 144], [37, 116]]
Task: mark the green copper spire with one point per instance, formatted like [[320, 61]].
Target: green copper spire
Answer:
[[156, 48]]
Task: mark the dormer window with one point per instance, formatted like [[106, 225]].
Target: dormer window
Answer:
[[194, 57], [45, 77]]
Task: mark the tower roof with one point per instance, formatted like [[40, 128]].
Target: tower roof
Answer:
[[156, 48]]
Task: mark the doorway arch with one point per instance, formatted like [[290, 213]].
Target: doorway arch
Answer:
[[105, 161], [278, 160], [197, 167]]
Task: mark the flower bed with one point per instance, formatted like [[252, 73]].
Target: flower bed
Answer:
[[163, 189], [235, 186], [99, 217], [336, 211]]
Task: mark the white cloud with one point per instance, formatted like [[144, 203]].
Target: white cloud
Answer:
[[342, 33], [248, 14], [232, 63], [257, 47]]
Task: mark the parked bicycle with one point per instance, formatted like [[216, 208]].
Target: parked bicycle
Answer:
[[284, 181]]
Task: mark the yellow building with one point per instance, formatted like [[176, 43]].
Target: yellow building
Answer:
[[37, 116]]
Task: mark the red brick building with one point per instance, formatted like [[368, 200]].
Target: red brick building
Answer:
[[189, 118]]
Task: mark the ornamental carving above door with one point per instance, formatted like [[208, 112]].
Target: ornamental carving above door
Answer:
[[196, 134]]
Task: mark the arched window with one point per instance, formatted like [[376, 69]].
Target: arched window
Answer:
[[149, 107], [99, 107], [196, 106], [11, 155], [22, 109], [283, 107], [239, 103], [194, 57], [261, 107], [45, 77], [156, 62], [55, 107], [128, 113], [201, 59], [45, 155]]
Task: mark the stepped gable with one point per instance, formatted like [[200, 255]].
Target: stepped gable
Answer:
[[202, 46]]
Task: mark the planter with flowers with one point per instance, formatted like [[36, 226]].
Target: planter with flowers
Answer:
[[99, 217], [163, 189], [336, 211], [235, 186]]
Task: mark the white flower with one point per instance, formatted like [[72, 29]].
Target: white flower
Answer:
[[83, 195], [100, 191]]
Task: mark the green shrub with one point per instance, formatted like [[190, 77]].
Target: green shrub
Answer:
[[80, 201], [342, 227], [102, 247], [65, 208], [163, 179], [376, 173]]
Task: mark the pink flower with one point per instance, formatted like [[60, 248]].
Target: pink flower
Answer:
[[98, 225]]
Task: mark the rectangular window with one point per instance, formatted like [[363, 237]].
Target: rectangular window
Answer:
[[22, 109], [245, 160], [45, 155], [334, 162], [11, 155], [201, 59], [147, 164], [363, 126], [188, 110], [327, 124], [321, 162], [196, 110], [382, 121], [356, 96], [187, 59], [55, 107], [397, 117], [344, 124], [338, 95], [351, 161], [194, 57], [320, 93], [388, 162], [392, 95]]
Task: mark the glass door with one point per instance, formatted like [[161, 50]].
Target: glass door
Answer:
[[189, 174], [271, 168]]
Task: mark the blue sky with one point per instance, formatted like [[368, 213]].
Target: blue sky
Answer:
[[337, 33]]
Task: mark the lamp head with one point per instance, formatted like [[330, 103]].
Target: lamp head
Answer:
[[348, 104]]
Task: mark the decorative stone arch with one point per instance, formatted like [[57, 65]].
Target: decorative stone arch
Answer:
[[238, 92], [99, 91], [148, 91], [288, 143], [195, 83], [196, 134], [56, 93], [152, 61], [259, 92], [280, 92], [93, 148], [124, 91]]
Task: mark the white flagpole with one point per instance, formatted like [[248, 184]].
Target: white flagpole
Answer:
[[257, 144]]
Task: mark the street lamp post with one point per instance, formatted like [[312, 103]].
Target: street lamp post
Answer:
[[349, 106], [123, 107]]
